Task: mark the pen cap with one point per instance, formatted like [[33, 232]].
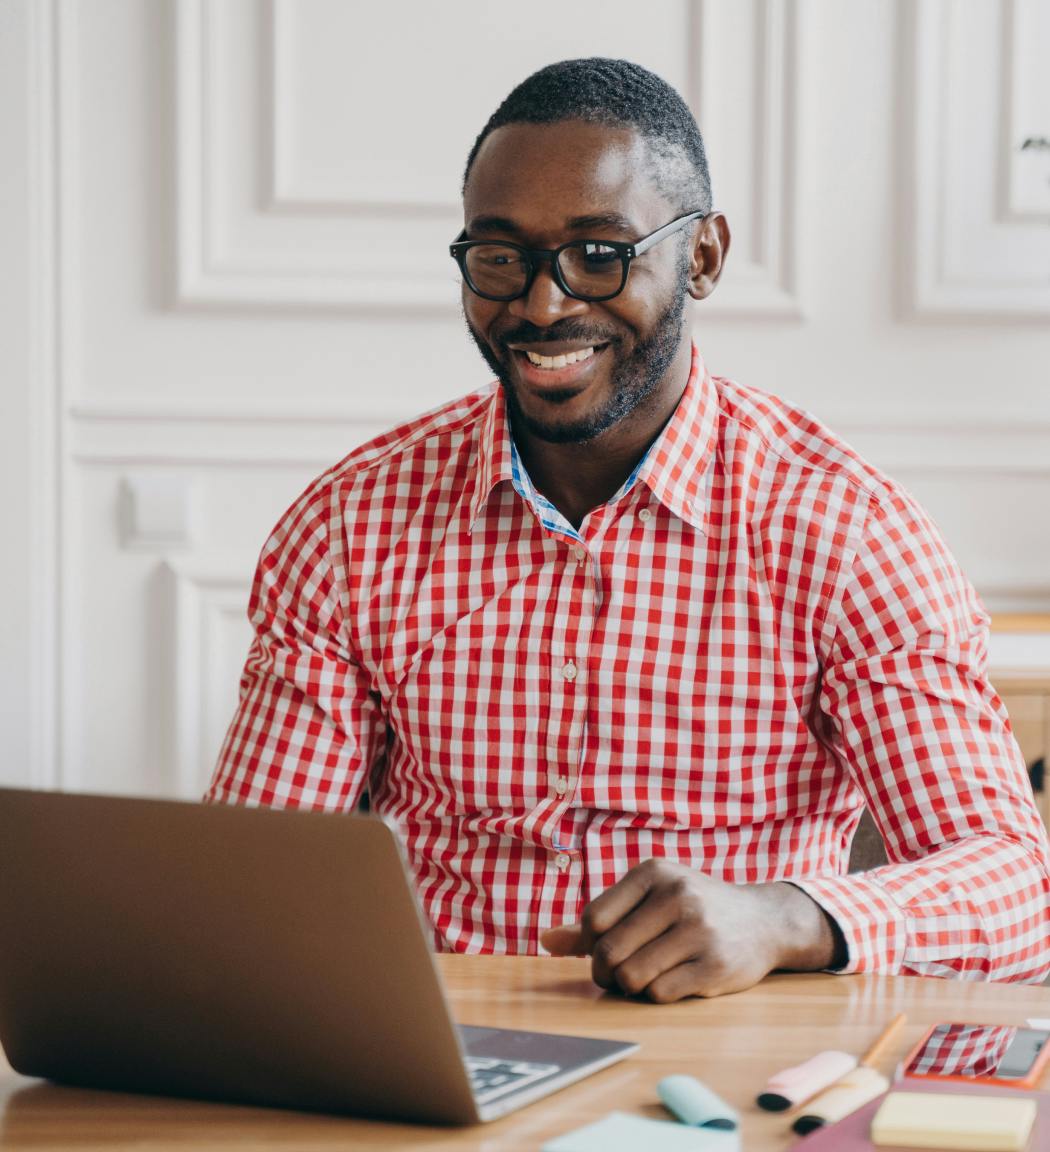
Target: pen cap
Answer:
[[695, 1104]]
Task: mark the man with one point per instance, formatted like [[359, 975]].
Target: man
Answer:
[[623, 649]]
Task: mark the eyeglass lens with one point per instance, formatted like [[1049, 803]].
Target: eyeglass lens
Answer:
[[587, 267]]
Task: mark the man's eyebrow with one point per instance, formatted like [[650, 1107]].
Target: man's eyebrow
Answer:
[[596, 220], [492, 224], [603, 220]]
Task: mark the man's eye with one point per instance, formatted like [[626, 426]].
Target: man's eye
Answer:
[[600, 254], [500, 259]]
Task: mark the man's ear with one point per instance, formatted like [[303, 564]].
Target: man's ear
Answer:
[[710, 248]]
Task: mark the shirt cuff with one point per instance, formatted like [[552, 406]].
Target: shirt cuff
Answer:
[[873, 926]]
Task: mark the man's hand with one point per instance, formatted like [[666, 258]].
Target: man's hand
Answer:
[[667, 931]]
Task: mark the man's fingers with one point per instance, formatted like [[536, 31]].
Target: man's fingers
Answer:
[[564, 940], [607, 910], [639, 929], [666, 953], [677, 983]]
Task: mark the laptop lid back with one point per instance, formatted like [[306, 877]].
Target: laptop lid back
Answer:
[[253, 955]]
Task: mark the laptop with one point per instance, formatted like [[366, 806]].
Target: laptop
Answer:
[[243, 954]]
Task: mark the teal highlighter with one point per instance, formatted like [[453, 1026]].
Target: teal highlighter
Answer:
[[696, 1105]]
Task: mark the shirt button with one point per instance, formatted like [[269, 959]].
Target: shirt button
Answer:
[[561, 785], [569, 671], [562, 860], [581, 555], [644, 514]]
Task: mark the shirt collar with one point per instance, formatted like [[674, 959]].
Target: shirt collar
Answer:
[[678, 466], [495, 459], [675, 468]]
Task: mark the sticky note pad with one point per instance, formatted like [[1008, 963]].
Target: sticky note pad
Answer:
[[620, 1132], [963, 1123]]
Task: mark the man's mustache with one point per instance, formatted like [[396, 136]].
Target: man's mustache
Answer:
[[526, 333]]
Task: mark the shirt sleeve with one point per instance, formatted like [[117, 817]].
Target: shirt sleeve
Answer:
[[910, 712], [307, 730]]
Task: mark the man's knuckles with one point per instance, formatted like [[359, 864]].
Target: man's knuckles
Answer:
[[608, 953], [633, 977], [657, 872], [595, 923]]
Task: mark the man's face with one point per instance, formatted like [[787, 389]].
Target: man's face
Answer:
[[541, 186]]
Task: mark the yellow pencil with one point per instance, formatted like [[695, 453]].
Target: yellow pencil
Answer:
[[870, 1058]]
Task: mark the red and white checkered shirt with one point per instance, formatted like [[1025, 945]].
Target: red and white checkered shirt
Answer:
[[740, 649]]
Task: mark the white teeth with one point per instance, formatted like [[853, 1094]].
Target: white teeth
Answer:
[[559, 361]]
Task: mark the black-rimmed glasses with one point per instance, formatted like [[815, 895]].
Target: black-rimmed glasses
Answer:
[[590, 270]]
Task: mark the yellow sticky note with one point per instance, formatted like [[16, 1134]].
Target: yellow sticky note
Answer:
[[959, 1123]]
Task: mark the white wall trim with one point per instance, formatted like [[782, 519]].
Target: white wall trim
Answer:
[[191, 273], [119, 433], [129, 432], [71, 726], [45, 101], [769, 287], [203, 588]]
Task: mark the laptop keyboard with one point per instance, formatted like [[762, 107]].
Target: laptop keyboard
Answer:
[[491, 1078]]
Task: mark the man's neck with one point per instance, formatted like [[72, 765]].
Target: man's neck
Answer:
[[579, 477]]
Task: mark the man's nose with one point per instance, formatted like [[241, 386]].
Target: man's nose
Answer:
[[545, 302]]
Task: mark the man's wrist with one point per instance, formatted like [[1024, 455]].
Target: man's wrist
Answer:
[[808, 939]]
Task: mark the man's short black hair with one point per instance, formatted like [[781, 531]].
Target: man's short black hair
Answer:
[[621, 94]]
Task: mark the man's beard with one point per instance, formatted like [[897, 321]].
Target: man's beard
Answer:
[[634, 379]]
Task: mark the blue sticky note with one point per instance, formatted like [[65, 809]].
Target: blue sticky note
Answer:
[[620, 1132]]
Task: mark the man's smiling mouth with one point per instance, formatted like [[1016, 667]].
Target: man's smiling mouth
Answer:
[[559, 361]]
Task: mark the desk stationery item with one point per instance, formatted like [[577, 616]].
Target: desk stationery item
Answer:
[[695, 1104], [843, 1097], [854, 1134], [854, 1089], [796, 1085], [620, 1132], [802, 1082], [971, 1124]]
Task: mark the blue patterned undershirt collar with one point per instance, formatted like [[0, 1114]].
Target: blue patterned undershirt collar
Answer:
[[550, 517]]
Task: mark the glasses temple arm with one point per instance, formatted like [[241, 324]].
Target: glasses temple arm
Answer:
[[647, 242]]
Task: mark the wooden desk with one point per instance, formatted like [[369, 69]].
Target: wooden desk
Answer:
[[733, 1043]]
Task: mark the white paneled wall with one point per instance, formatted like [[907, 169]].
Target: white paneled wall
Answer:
[[225, 265]]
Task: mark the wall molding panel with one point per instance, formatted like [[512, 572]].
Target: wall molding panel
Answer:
[[1026, 171], [293, 191], [255, 229], [980, 247]]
